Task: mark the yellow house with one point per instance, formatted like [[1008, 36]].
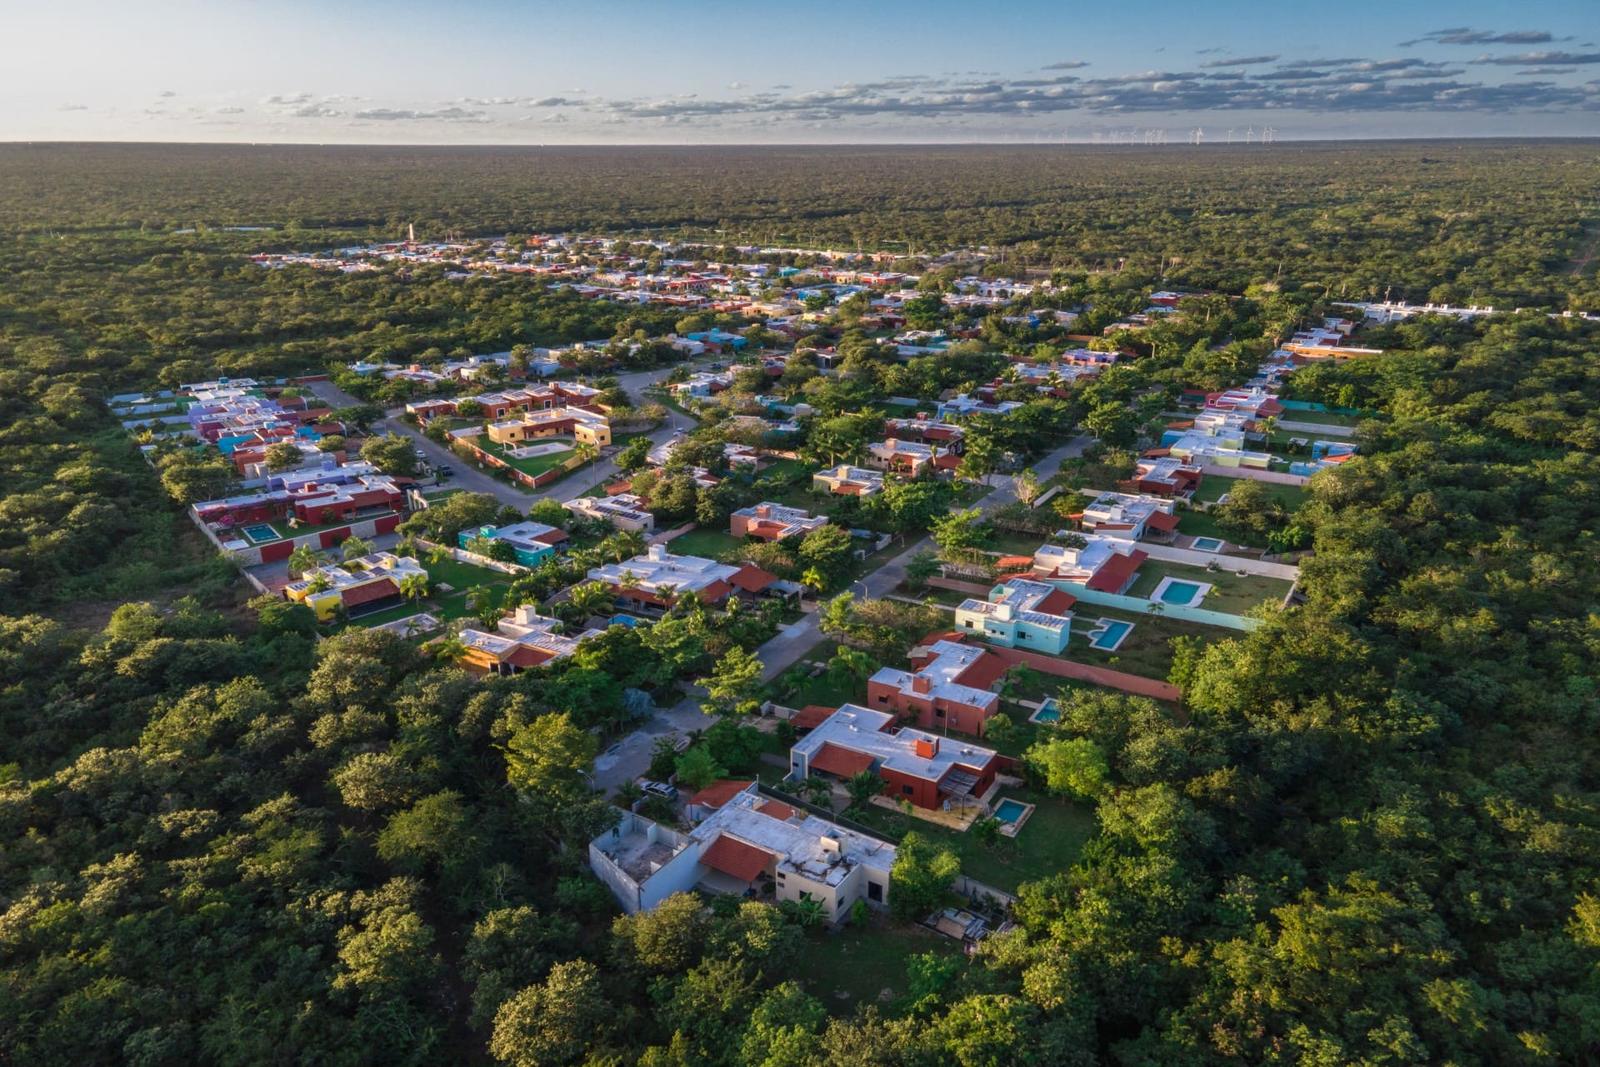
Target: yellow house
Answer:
[[359, 586], [588, 427]]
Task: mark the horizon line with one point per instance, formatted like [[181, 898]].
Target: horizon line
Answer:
[[1072, 143]]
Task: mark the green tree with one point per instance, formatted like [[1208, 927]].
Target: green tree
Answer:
[[283, 456], [552, 1022], [392, 453], [697, 768], [549, 755], [1069, 766], [733, 684], [921, 876]]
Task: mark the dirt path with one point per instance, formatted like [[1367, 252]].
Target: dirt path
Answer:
[[1586, 255]]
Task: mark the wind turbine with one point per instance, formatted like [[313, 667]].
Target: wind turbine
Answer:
[[1249, 135], [1230, 134]]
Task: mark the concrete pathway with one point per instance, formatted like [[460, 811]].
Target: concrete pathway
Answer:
[[1317, 429], [1287, 571]]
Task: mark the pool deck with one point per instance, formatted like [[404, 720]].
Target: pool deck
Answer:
[[1010, 829]]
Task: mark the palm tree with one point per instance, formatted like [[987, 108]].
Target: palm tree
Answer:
[[438, 554], [863, 786], [354, 548], [319, 584], [817, 790], [478, 597], [480, 545], [449, 647], [591, 598], [414, 586], [629, 543], [303, 559], [814, 579]]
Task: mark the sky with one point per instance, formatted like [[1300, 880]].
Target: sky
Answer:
[[621, 72]]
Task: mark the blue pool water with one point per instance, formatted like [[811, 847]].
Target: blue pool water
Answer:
[[1109, 638], [1048, 712], [1206, 544], [1009, 810], [1180, 592], [261, 532]]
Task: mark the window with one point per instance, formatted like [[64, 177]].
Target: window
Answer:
[[938, 713], [875, 892], [906, 789]]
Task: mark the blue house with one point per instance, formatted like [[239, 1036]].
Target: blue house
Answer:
[[533, 542]]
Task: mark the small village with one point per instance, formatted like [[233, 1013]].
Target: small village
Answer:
[[926, 576]]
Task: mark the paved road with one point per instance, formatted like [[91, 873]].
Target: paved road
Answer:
[[470, 478], [630, 757], [785, 649]]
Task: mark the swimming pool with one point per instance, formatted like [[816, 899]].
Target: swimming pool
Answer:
[[1110, 635], [1009, 810], [1179, 592], [1012, 813], [1206, 544], [1047, 714], [260, 532]]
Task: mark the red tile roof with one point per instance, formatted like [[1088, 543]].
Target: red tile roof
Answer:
[[1162, 521], [811, 716], [1114, 575], [777, 809], [366, 594], [736, 859], [831, 759], [752, 579], [719, 793]]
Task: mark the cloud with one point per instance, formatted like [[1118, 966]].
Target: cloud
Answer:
[[1545, 72], [1243, 61], [73, 107], [166, 92], [1066, 64], [555, 101], [1553, 59], [444, 114], [1467, 35], [230, 110]]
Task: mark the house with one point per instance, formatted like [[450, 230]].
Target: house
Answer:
[[1167, 476], [358, 587], [773, 522], [521, 640], [1199, 450], [1103, 564], [748, 846], [654, 581], [846, 480], [702, 384], [1253, 403], [911, 458], [949, 690], [581, 424], [928, 431], [932, 772], [1021, 614], [532, 541], [963, 406], [1130, 516], [625, 511]]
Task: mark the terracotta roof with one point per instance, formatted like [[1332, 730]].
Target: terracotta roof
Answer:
[[1162, 521], [983, 672], [777, 809], [1117, 570], [752, 579], [811, 716], [736, 859], [366, 594], [832, 759], [719, 793], [551, 537]]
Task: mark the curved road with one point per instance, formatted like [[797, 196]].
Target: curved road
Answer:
[[474, 480]]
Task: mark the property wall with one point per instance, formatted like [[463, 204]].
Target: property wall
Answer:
[[1271, 477], [1141, 606]]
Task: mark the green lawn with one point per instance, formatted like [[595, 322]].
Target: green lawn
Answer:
[[1213, 486], [1230, 592], [711, 544], [533, 466], [1047, 843], [1324, 418], [859, 965], [1200, 524]]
